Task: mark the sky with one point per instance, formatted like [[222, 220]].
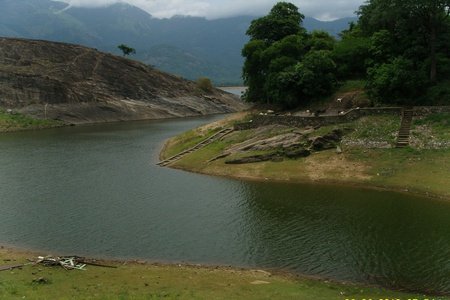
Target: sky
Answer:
[[324, 10]]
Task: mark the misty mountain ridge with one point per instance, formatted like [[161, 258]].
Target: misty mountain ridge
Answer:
[[191, 47]]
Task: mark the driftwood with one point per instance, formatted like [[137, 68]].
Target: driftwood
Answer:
[[9, 267], [96, 264], [68, 262]]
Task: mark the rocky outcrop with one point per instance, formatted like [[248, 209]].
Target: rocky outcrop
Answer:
[[327, 141], [251, 159], [76, 84], [282, 142]]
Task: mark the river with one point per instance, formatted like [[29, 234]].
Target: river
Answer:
[[96, 191]]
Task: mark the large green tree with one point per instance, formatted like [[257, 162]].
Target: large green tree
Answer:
[[409, 20], [275, 43], [283, 62], [351, 53], [283, 20], [409, 44]]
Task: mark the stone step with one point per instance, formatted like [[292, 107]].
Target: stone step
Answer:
[[202, 144], [405, 128]]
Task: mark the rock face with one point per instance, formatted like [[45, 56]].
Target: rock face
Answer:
[[76, 85], [328, 141], [281, 142]]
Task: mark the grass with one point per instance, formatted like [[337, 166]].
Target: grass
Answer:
[[416, 169], [188, 140], [133, 280], [381, 130], [423, 171], [422, 168], [352, 85], [17, 122], [431, 132], [369, 158]]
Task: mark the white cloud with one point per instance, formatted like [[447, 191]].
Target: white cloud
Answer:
[[320, 9], [90, 3]]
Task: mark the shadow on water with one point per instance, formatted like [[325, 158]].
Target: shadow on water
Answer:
[[97, 191]]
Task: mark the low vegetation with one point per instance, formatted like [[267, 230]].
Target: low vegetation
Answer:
[[17, 122], [368, 157], [205, 84], [140, 280]]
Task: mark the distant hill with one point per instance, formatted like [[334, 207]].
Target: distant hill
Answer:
[[75, 84], [191, 47]]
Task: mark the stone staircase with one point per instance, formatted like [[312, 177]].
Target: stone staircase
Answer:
[[200, 145], [405, 127]]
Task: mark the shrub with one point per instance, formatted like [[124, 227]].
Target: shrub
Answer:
[[205, 84]]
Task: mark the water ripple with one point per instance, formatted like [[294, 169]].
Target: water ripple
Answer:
[[96, 190]]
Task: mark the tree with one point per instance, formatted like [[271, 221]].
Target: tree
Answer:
[[351, 53], [283, 20], [283, 64], [254, 71], [321, 40], [316, 74], [409, 43], [432, 15], [409, 20], [397, 80], [275, 44], [126, 50]]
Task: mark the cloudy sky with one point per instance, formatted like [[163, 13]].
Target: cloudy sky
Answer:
[[325, 10]]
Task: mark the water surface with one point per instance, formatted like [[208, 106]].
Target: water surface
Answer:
[[96, 190]]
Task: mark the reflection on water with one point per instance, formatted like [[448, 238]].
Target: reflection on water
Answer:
[[97, 191], [353, 234]]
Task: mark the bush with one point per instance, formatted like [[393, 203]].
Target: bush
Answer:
[[205, 84], [439, 94]]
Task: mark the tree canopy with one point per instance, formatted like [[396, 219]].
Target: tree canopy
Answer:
[[408, 56], [126, 50], [399, 47], [283, 20], [281, 59]]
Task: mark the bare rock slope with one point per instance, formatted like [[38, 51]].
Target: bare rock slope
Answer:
[[76, 84]]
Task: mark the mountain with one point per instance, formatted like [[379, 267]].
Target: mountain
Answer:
[[75, 84], [191, 47]]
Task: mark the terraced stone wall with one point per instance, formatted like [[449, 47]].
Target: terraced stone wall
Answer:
[[325, 120]]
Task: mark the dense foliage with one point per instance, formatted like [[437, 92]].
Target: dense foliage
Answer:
[[283, 63], [408, 60], [400, 47]]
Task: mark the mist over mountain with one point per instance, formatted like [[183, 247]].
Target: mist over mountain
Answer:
[[191, 47]]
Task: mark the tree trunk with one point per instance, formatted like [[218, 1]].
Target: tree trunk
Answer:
[[433, 63]]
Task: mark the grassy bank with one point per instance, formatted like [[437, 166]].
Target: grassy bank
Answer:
[[10, 122], [139, 280], [369, 157], [366, 160]]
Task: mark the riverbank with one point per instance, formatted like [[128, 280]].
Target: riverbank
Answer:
[[142, 280], [367, 155], [12, 122]]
